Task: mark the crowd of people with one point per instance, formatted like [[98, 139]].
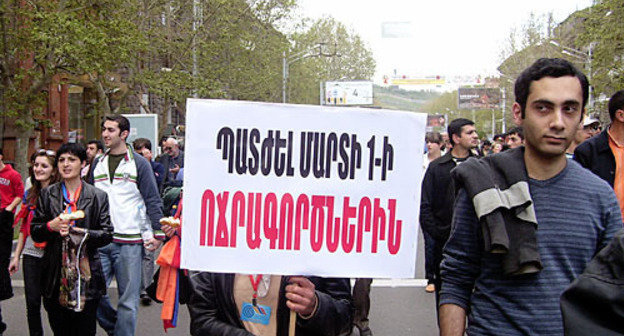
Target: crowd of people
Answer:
[[510, 225]]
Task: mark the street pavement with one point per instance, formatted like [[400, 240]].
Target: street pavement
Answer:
[[398, 308]]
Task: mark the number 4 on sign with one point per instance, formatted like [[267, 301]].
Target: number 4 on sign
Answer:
[[355, 93]]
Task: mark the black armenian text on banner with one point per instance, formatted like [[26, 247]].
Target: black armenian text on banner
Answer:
[[248, 152]]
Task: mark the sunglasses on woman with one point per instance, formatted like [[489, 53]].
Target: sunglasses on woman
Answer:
[[47, 152]]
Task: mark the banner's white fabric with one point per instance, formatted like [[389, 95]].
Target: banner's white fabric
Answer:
[[307, 190]]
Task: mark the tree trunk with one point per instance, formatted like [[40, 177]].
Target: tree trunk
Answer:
[[103, 101], [21, 151]]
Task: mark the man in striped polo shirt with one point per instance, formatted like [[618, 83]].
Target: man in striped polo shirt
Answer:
[[135, 211], [576, 213]]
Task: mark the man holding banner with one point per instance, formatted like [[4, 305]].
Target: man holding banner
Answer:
[[241, 304], [298, 192]]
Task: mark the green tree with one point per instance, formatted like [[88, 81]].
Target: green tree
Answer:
[[342, 55], [210, 49], [536, 38], [41, 40], [447, 104], [603, 28]]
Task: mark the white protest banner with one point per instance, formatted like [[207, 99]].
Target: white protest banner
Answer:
[[306, 190]]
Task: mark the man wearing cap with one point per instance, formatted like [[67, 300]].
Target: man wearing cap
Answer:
[[604, 153], [591, 127]]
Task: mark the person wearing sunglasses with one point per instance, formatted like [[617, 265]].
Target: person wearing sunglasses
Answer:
[[43, 174]]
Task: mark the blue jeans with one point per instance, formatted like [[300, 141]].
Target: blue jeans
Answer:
[[148, 269], [124, 262]]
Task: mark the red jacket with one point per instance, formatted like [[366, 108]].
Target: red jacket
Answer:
[[11, 186]]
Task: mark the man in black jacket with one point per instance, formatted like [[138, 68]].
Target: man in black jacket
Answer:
[[436, 207], [240, 305], [597, 153]]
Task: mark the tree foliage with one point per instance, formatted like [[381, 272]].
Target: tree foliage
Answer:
[[447, 104], [172, 49], [212, 49], [336, 53], [41, 40], [603, 31], [538, 37]]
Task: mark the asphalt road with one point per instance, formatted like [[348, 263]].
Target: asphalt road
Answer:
[[398, 307]]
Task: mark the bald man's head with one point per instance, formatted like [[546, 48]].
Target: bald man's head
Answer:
[[172, 147]]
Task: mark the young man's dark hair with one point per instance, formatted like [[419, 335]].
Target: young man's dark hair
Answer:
[[455, 127], [616, 103], [122, 122], [498, 136], [142, 143], [517, 130], [547, 67], [97, 143], [76, 149], [434, 137]]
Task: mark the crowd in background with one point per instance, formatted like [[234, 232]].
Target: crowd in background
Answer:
[[521, 232]]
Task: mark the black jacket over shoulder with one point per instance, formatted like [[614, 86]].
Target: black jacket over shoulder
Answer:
[[595, 155], [438, 197], [214, 312], [94, 203]]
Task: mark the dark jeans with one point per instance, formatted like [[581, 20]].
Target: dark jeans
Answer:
[[67, 322], [429, 258], [6, 245], [32, 290], [361, 302], [437, 259]]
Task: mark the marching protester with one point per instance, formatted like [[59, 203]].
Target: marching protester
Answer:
[[95, 148], [497, 147], [518, 237], [144, 147], [226, 304], [43, 174], [172, 160], [135, 211], [583, 133], [604, 153], [11, 192], [437, 197], [72, 218], [486, 148], [434, 142], [515, 137]]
